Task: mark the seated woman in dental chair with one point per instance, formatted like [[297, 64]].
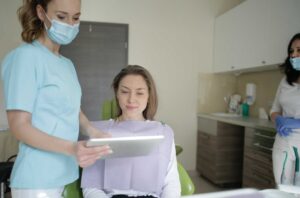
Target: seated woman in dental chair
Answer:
[[153, 176]]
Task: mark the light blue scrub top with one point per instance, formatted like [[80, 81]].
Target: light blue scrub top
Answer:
[[46, 85]]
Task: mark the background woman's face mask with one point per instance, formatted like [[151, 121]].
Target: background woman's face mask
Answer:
[[295, 63], [61, 33]]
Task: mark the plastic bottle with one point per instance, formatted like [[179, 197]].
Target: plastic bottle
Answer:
[[245, 109]]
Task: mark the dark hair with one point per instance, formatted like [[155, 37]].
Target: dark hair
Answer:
[[292, 75], [32, 26], [151, 108]]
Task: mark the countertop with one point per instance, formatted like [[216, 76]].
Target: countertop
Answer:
[[242, 121]]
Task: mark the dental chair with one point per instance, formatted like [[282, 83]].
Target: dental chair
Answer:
[[5, 171], [109, 111], [187, 185]]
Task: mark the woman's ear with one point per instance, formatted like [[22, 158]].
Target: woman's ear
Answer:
[[40, 12]]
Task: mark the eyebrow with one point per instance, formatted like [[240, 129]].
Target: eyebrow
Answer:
[[66, 13], [122, 86]]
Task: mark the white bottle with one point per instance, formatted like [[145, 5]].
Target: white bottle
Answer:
[[250, 93]]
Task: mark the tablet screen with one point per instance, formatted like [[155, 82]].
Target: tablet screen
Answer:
[[127, 146]]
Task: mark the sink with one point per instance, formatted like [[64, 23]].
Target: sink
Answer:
[[229, 115]]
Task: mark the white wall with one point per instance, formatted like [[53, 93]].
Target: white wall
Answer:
[[172, 38], [9, 38]]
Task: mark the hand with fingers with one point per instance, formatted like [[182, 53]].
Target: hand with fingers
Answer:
[[285, 125], [87, 156]]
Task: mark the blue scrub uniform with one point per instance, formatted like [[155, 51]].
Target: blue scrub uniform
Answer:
[[46, 85]]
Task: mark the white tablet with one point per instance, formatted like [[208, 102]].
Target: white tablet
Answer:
[[127, 146]]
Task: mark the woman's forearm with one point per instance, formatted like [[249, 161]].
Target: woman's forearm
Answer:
[[21, 127], [88, 129]]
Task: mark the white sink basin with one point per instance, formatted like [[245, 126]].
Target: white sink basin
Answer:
[[229, 115]]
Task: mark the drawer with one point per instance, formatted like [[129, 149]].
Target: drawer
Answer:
[[254, 179], [207, 125], [252, 132], [254, 175], [258, 155], [259, 142], [258, 182], [216, 128], [258, 167]]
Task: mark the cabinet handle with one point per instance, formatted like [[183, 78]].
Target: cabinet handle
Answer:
[[265, 136], [263, 147]]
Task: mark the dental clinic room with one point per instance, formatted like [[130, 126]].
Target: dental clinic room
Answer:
[[149, 98]]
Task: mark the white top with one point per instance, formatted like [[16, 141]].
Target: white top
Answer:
[[287, 102], [171, 187], [287, 99]]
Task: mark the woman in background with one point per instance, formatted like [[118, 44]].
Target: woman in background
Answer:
[[285, 113], [42, 96], [154, 175]]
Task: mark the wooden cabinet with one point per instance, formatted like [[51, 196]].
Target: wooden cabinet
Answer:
[[220, 151], [255, 34], [257, 167]]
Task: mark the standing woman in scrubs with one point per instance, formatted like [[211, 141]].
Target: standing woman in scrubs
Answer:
[[42, 96], [285, 113]]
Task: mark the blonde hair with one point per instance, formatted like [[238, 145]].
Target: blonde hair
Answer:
[[32, 26], [152, 105]]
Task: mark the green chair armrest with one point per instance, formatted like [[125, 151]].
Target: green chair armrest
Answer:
[[73, 190], [187, 185], [179, 149]]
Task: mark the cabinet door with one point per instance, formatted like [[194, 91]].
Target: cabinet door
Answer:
[[237, 34], [283, 23], [254, 34], [99, 52], [257, 165]]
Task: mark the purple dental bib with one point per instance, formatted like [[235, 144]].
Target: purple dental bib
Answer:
[[143, 173]]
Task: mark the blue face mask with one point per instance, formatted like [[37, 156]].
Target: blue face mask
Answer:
[[295, 63], [62, 33]]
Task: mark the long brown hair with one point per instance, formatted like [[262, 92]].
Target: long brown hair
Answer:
[[292, 75], [151, 108], [32, 26]]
